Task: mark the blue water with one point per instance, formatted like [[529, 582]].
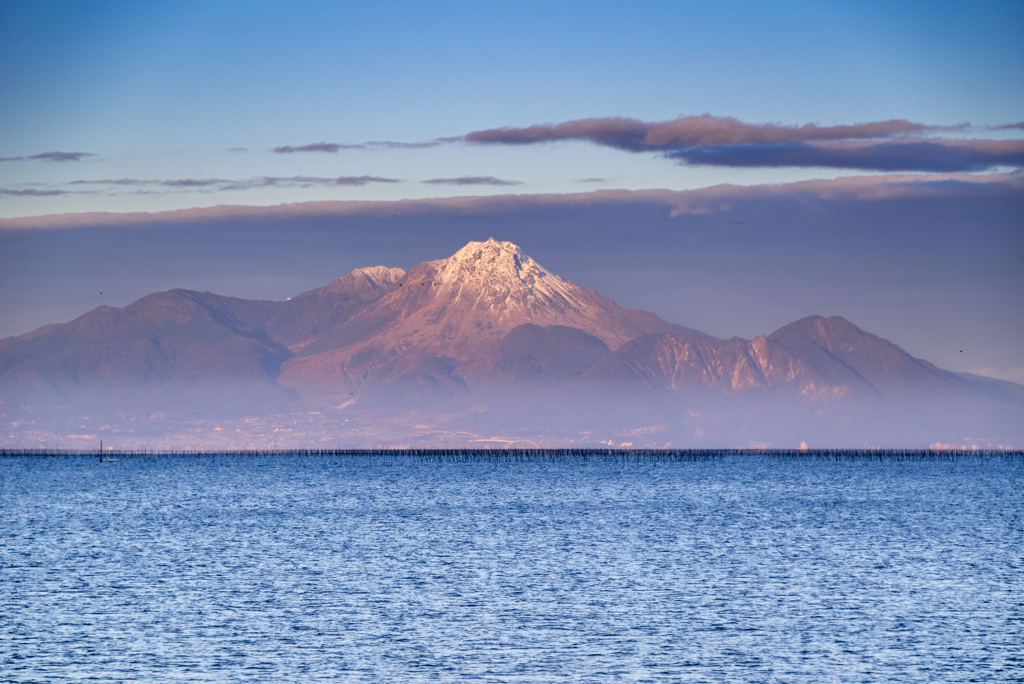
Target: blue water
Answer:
[[740, 569]]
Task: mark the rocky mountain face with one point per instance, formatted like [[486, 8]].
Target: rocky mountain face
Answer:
[[491, 338], [820, 377], [815, 361]]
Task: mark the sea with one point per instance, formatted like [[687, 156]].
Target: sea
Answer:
[[482, 568]]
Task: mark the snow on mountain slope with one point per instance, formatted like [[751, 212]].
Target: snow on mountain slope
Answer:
[[497, 278], [367, 283], [459, 308]]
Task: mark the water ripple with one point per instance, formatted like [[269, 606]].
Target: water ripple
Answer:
[[354, 569]]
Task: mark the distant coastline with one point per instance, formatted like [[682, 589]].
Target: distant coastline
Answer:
[[514, 454]]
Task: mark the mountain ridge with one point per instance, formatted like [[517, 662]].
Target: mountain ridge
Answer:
[[487, 334]]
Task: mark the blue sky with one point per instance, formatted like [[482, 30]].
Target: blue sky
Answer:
[[161, 91], [179, 106]]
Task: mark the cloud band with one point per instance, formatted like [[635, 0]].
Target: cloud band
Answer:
[[893, 145], [51, 156], [710, 200]]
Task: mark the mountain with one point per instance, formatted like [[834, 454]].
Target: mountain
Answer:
[[814, 360], [845, 354], [165, 337], [486, 342], [175, 341], [458, 310], [815, 377], [144, 354]]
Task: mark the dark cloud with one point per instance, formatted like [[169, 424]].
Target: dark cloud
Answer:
[[312, 147], [62, 156], [359, 180], [387, 145], [371, 145], [207, 185], [930, 155], [591, 180], [31, 192], [472, 180], [302, 182], [196, 183], [893, 145], [51, 156], [221, 184], [691, 131], [118, 181], [238, 149]]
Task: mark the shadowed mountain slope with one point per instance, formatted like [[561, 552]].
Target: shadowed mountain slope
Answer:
[[844, 354], [532, 355], [167, 341]]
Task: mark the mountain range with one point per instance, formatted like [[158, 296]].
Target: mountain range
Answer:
[[489, 342]]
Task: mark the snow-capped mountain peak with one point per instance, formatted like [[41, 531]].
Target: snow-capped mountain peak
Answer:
[[497, 276], [459, 309], [366, 283]]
